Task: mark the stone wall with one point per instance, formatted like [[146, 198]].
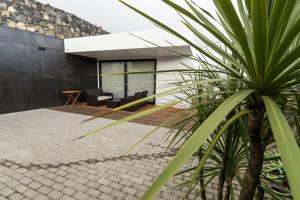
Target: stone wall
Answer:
[[34, 16]]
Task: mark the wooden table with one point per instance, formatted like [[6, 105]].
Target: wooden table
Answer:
[[72, 96]]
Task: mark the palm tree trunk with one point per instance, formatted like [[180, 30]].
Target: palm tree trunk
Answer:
[[202, 185], [260, 193], [201, 176], [222, 177], [252, 175], [227, 194], [221, 184], [265, 141]]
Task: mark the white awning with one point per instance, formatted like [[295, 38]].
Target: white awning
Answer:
[[132, 45]]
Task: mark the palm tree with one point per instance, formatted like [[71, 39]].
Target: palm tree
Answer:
[[228, 158], [260, 50]]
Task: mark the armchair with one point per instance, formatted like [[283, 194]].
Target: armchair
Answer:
[[137, 96], [96, 97]]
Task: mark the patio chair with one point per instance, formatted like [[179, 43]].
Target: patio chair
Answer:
[[137, 96], [96, 97]]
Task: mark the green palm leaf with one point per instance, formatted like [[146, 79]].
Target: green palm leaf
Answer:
[[287, 146]]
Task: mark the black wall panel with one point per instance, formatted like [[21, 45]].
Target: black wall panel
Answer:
[[31, 78]]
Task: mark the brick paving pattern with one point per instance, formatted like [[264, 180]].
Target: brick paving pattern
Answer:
[[39, 160]]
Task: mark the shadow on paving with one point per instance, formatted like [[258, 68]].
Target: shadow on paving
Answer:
[[13, 164]]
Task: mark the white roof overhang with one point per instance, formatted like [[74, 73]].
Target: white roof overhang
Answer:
[[134, 45]]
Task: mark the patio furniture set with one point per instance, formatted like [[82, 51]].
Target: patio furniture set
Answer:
[[96, 97]]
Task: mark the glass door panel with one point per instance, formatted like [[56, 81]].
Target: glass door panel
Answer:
[[113, 78], [140, 82]]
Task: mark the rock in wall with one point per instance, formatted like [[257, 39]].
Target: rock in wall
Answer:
[[34, 16]]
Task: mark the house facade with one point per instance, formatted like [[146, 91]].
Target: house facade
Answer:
[[135, 61]]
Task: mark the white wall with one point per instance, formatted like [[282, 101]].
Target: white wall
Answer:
[[164, 79]]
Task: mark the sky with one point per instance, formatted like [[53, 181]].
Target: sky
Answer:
[[114, 17]]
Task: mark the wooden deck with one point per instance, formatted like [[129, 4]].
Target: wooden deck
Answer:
[[154, 119]]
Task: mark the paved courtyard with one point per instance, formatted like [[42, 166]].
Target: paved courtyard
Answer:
[[39, 160]]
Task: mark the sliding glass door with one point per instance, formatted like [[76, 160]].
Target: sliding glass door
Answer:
[[140, 81], [123, 84], [113, 78]]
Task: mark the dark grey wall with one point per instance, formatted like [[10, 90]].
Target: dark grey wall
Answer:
[[31, 78]]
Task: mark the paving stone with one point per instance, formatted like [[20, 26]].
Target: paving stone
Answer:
[[61, 173], [21, 188], [41, 197], [65, 197], [30, 193], [47, 182], [129, 190], [71, 177], [92, 177], [93, 184], [169, 196], [53, 169], [12, 183], [6, 191], [118, 194], [60, 179], [80, 196], [105, 196], [16, 196], [2, 186], [105, 189], [127, 182], [29, 174], [22, 170], [5, 179], [34, 185], [140, 187], [68, 191], [42, 171], [72, 170], [104, 181], [114, 178], [45, 190], [81, 188], [50, 175], [81, 180], [70, 183], [130, 197], [17, 176], [93, 192], [38, 178], [55, 194], [117, 186], [92, 171], [58, 186], [82, 174], [136, 180]]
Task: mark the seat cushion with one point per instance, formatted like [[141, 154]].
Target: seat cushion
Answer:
[[101, 98]]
